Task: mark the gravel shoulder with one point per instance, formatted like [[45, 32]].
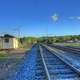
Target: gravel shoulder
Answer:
[[9, 61]]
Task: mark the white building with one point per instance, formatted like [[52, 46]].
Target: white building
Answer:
[[8, 42]]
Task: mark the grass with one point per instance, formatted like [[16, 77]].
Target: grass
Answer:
[[72, 44], [3, 55]]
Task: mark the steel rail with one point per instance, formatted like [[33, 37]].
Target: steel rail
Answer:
[[44, 63], [70, 49], [75, 49]]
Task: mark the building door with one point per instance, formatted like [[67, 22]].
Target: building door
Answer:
[[6, 43]]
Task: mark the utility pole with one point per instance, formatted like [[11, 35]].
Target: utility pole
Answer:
[[47, 34], [18, 29], [55, 19]]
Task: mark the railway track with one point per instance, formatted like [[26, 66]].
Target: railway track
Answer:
[[40, 63], [75, 53], [69, 51], [77, 49], [57, 68], [67, 48], [31, 67], [72, 57]]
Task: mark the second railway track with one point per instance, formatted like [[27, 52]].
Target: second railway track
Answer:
[[69, 54]]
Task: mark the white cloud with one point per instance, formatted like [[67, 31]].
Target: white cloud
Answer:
[[71, 17], [74, 18], [55, 17], [78, 18]]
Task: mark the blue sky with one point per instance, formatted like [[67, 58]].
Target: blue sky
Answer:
[[34, 17]]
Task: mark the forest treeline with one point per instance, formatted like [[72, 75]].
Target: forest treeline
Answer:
[[28, 41]]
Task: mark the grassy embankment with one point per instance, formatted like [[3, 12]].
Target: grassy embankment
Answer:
[[72, 44]]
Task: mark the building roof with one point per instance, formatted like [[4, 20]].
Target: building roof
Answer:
[[7, 36]]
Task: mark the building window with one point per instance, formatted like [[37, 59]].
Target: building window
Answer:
[[7, 40]]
